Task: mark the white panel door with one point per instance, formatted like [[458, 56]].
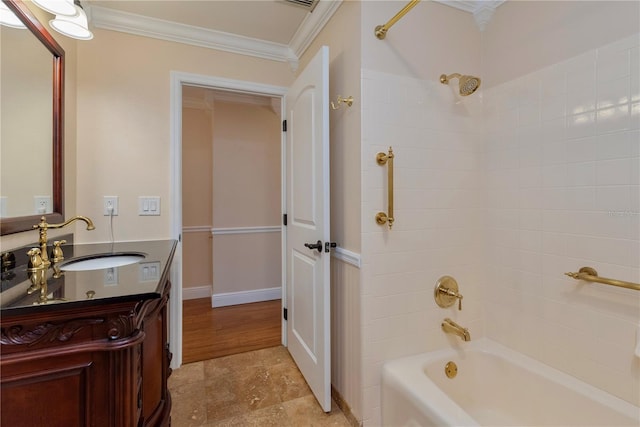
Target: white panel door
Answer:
[[307, 184]]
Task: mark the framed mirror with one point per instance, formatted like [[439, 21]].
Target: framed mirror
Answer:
[[32, 115]]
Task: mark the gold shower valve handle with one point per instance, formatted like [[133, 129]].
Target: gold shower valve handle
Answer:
[[446, 292], [455, 295]]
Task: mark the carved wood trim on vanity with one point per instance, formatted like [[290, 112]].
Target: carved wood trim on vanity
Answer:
[[45, 332], [108, 362]]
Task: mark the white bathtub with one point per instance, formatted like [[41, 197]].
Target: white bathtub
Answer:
[[494, 386]]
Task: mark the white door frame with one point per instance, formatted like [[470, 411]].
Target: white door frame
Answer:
[[178, 79]]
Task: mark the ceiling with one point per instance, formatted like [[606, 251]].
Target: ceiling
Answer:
[[271, 29], [270, 20]]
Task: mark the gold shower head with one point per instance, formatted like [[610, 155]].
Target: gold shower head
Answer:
[[468, 84]]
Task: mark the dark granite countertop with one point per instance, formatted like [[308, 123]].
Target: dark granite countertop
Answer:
[[141, 280]]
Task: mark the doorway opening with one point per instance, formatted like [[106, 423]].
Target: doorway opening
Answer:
[[227, 206], [231, 205]]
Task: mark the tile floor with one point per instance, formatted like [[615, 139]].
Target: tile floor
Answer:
[[259, 388]]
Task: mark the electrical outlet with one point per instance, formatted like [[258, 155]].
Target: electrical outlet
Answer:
[[42, 204], [111, 276], [110, 203]]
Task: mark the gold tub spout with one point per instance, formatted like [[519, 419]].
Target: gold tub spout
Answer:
[[451, 327]]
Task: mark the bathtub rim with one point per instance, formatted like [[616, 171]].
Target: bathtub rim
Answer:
[[396, 372]]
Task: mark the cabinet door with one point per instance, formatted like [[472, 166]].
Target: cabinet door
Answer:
[[52, 392]]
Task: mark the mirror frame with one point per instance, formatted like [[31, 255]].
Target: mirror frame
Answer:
[[25, 223]]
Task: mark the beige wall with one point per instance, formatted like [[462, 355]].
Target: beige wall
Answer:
[[524, 36], [197, 193], [430, 40], [197, 167], [123, 122], [231, 179], [246, 165], [246, 193]]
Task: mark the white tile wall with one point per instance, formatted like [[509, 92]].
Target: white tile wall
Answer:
[[437, 141], [584, 186], [507, 190]]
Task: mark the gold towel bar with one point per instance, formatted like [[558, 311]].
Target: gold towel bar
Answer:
[[387, 159], [381, 30], [591, 275]]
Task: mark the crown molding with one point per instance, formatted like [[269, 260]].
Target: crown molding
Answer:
[[130, 23], [312, 25], [482, 10]]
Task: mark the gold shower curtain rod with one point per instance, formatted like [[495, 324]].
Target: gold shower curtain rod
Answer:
[[381, 30]]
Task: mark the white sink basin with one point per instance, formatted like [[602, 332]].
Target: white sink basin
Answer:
[[100, 261]]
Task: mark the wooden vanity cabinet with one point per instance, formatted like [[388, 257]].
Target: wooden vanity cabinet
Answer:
[[101, 363]]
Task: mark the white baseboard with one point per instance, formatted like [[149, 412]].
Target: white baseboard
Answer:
[[196, 292], [245, 297]]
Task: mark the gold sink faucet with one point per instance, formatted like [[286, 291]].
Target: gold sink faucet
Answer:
[[451, 327], [42, 227]]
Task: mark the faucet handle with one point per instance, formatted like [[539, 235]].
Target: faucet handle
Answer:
[[453, 294], [57, 255], [446, 292], [35, 260]]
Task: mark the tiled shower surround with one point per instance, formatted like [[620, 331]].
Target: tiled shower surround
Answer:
[[506, 190]]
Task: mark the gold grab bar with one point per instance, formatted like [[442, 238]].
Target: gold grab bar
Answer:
[[591, 275], [381, 30], [382, 159]]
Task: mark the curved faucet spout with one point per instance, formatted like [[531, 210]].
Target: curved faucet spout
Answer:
[[90, 225]]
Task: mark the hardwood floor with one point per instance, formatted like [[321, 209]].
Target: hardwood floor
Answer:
[[208, 332]]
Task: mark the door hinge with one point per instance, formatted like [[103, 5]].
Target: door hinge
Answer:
[[284, 219], [329, 245], [284, 313], [284, 126]]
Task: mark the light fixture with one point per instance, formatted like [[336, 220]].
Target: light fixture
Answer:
[[76, 26], [8, 18], [57, 7]]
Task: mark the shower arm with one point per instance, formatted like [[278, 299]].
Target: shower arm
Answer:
[[444, 79], [381, 30]]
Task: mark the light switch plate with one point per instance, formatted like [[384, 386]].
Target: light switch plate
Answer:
[[149, 271], [148, 205]]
